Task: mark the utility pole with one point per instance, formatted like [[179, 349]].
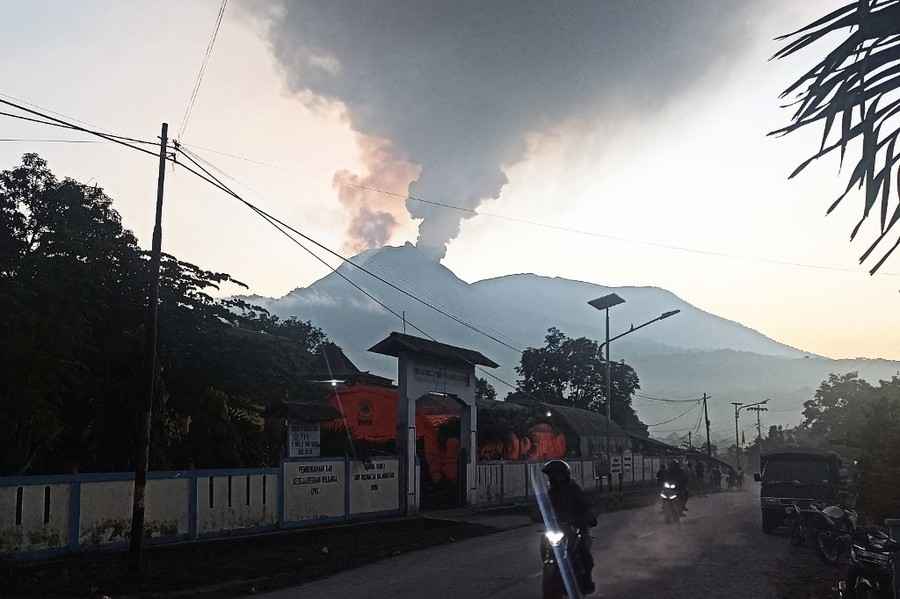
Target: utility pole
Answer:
[[737, 442], [690, 442], [706, 415], [759, 409], [142, 461]]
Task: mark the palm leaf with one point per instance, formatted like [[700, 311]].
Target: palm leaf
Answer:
[[855, 76]]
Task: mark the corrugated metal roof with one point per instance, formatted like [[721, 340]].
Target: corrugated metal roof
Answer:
[[395, 343], [584, 423]]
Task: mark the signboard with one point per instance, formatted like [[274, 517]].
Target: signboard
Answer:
[[313, 490], [616, 465], [440, 375], [303, 440], [374, 486]]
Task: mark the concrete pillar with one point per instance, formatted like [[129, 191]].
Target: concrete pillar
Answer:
[[406, 440]]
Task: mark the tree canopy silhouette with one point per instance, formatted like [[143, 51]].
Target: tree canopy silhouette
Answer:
[[73, 299], [572, 372]]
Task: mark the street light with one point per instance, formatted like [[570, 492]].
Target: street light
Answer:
[[738, 406], [605, 303]]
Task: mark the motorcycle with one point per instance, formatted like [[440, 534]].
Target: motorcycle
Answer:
[[834, 527], [871, 571], [563, 562], [671, 503]]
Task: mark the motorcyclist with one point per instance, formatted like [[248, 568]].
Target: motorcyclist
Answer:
[[678, 476], [572, 507], [661, 476]]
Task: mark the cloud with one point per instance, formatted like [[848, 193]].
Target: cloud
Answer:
[[375, 215], [457, 86]]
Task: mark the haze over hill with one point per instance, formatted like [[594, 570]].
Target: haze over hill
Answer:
[[681, 357]]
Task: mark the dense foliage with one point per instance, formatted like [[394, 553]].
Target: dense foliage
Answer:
[[73, 299], [860, 421], [484, 390], [572, 372]]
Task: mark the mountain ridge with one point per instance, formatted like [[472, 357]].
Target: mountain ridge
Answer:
[[694, 352]]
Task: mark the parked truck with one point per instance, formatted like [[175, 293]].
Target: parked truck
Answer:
[[799, 477]]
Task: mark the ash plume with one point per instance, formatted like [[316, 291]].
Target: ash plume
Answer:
[[457, 85], [374, 215]]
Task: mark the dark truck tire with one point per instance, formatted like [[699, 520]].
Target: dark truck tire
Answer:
[[770, 521]]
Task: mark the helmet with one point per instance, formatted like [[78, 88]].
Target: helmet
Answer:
[[557, 471]]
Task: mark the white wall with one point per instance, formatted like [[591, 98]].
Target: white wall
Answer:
[[33, 533], [374, 486], [314, 490], [237, 514]]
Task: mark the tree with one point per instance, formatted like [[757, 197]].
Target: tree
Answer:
[[860, 74], [484, 390], [850, 414], [73, 285], [839, 408], [572, 372]]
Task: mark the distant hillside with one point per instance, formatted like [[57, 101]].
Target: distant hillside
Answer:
[[684, 356]]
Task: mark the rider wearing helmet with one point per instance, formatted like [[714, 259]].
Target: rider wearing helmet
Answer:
[[572, 507], [678, 476]]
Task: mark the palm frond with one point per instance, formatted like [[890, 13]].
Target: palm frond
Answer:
[[847, 86]]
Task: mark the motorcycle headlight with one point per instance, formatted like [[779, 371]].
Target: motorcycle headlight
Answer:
[[555, 537], [663, 495], [668, 485]]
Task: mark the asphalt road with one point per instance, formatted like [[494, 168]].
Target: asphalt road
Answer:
[[718, 550]]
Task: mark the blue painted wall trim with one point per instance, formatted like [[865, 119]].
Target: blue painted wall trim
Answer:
[[57, 479]]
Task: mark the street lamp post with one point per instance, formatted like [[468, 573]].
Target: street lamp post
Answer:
[[605, 303]]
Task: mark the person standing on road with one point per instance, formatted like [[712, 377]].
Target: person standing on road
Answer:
[[661, 475]]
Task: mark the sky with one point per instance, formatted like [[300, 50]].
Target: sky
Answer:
[[689, 166]]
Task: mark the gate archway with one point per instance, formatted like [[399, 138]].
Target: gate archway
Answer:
[[427, 368]]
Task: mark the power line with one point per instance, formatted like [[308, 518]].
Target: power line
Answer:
[[699, 422], [236, 156], [562, 228], [55, 122], [212, 180], [639, 395], [367, 270], [409, 285], [199, 80], [277, 225], [49, 110], [693, 407], [34, 140]]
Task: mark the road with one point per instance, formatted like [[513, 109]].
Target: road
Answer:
[[718, 550]]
